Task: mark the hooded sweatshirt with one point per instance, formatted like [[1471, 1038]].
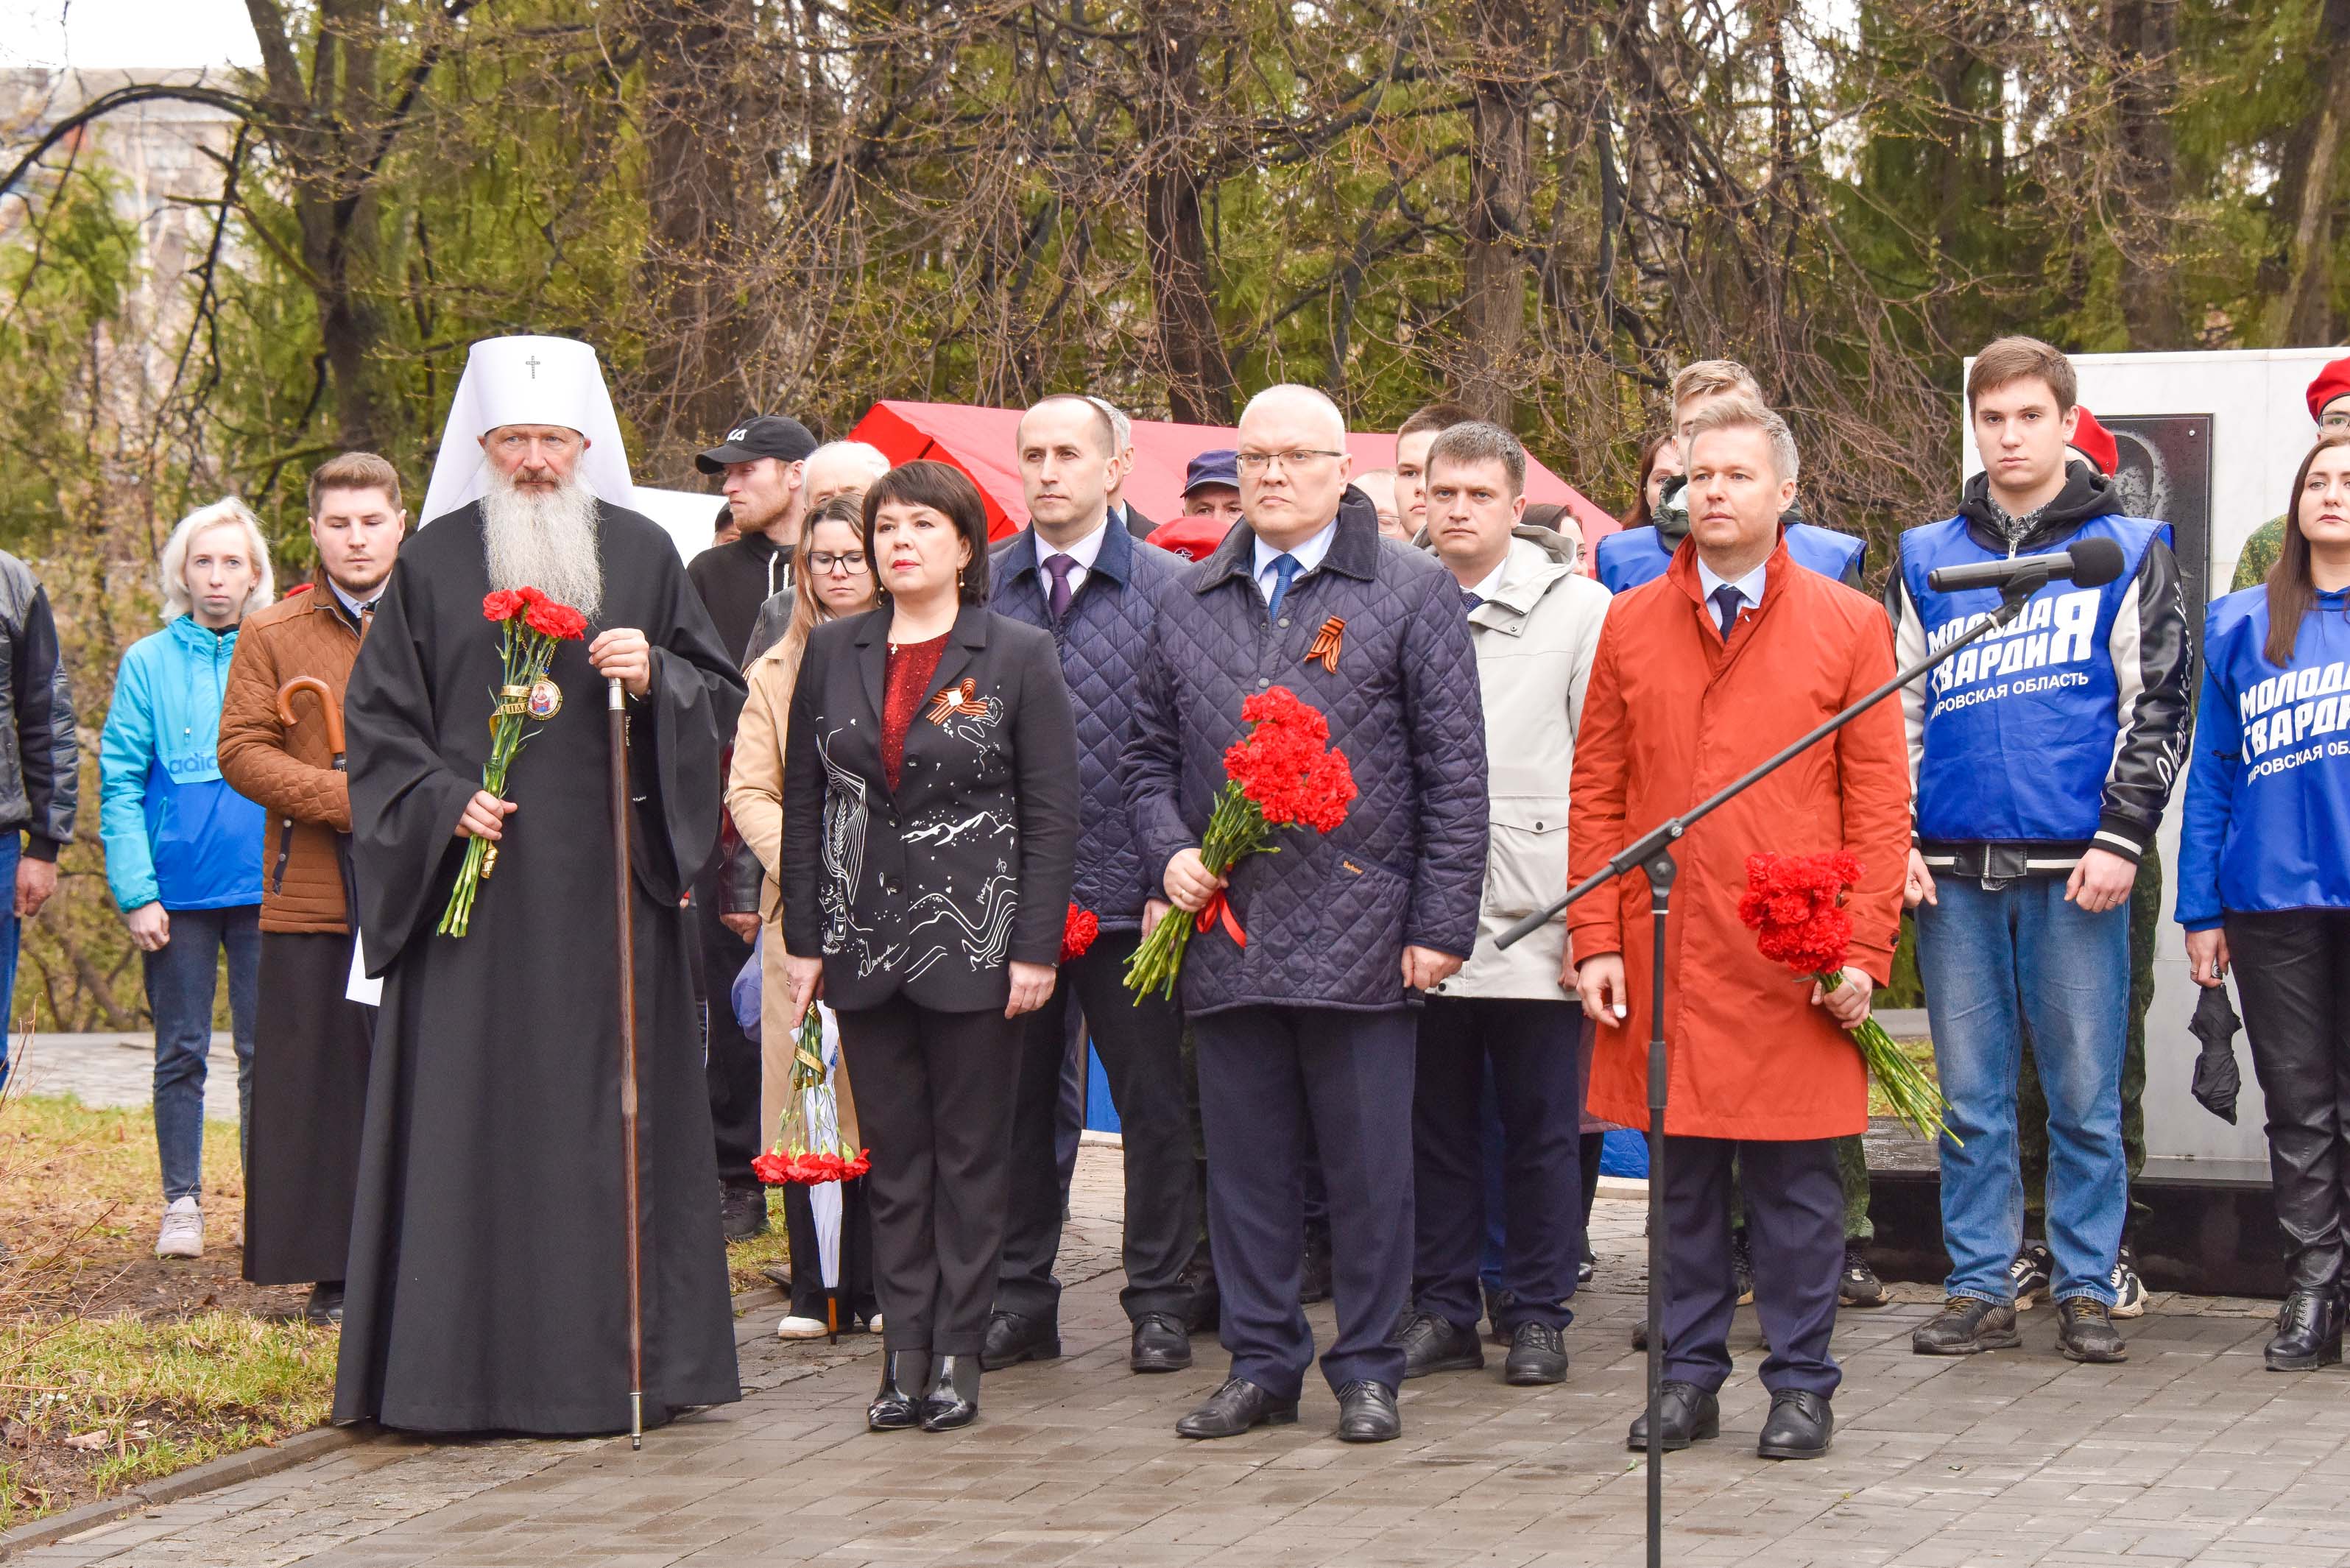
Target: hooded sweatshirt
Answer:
[[2063, 731]]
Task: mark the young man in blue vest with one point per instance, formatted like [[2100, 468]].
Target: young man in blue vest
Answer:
[[1081, 575], [1627, 559], [2044, 757]]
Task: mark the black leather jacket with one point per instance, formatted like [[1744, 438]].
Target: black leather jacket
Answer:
[[40, 777]]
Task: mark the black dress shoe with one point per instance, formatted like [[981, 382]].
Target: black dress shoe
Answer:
[[1689, 1414], [325, 1307], [1366, 1412], [898, 1407], [2309, 1331], [1014, 1337], [953, 1398], [1799, 1425], [743, 1212], [1233, 1409], [1431, 1345], [1160, 1345], [1537, 1354]]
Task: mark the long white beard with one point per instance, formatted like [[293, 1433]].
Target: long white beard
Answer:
[[545, 540]]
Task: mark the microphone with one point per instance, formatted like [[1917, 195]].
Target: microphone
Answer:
[[2091, 563]]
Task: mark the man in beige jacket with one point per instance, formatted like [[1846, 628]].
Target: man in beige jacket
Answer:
[[1535, 622]]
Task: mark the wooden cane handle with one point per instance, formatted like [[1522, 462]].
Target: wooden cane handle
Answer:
[[327, 707]]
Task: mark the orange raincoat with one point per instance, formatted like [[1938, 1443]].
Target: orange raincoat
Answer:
[[1672, 715]]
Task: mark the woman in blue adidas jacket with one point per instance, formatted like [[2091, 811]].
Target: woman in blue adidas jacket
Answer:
[[182, 849], [2264, 874]]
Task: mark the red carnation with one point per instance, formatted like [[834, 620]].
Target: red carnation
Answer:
[[504, 605], [1078, 933], [559, 621], [771, 1168]]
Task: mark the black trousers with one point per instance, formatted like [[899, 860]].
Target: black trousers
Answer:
[[858, 1300], [1262, 1071], [934, 1097], [311, 1045], [733, 1066], [2293, 975], [1141, 1046], [1795, 1217], [1532, 1050]]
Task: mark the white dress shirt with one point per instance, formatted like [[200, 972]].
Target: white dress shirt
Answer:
[[1085, 553], [1750, 587], [1308, 555]]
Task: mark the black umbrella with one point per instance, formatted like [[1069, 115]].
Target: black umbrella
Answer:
[[2216, 1079]]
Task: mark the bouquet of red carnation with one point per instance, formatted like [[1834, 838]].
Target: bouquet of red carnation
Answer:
[[1795, 903], [529, 626], [808, 1145], [1079, 932], [1284, 773]]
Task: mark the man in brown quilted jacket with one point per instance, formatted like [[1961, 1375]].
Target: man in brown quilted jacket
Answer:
[[310, 1041]]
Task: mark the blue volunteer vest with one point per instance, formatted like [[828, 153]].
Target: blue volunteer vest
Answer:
[[2267, 818], [2020, 727], [1636, 556]]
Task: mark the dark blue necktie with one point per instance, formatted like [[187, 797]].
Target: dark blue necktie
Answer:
[[1726, 600], [1285, 568], [1470, 598]]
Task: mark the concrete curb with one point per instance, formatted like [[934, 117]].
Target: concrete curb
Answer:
[[251, 1464]]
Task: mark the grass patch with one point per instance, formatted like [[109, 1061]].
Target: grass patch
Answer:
[[746, 1261], [117, 1367]]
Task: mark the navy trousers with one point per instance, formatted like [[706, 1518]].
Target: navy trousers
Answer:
[[1263, 1071], [1794, 1220], [1528, 1049], [1141, 1047]]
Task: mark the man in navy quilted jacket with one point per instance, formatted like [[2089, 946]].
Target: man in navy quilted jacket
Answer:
[[1310, 1017], [1091, 584]]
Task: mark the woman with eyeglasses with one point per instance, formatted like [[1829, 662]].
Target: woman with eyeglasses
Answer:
[[830, 579]]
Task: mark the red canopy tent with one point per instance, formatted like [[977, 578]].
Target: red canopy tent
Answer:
[[980, 441]]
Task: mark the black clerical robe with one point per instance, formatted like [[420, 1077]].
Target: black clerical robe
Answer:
[[487, 1287]]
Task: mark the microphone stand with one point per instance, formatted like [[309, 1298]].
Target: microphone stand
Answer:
[[1652, 852]]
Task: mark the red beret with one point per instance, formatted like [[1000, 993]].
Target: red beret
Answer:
[[2331, 382], [1194, 538], [2094, 441]]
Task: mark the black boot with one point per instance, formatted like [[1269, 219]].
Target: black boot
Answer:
[[325, 1307], [953, 1399], [897, 1407], [2309, 1331]]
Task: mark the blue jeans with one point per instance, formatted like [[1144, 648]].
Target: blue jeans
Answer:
[[1992, 961], [182, 980], [12, 847]]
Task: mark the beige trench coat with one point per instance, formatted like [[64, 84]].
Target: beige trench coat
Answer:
[[1534, 638], [754, 795]]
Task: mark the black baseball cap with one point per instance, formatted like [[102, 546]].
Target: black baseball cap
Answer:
[[763, 435]]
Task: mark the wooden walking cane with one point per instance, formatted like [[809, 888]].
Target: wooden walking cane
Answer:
[[624, 907]]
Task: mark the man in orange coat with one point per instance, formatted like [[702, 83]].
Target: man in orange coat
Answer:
[[1699, 675]]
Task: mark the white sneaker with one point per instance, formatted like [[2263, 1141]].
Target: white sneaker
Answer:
[[801, 1328], [182, 1235], [2129, 1291], [873, 1323]]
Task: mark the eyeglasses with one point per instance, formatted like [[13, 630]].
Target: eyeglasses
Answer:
[[851, 562], [1258, 461], [2334, 420]]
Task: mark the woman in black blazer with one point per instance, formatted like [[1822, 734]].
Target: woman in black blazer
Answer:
[[929, 827]]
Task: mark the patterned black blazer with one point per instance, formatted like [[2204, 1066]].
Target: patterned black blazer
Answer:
[[934, 890]]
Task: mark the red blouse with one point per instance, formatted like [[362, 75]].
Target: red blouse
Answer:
[[905, 678]]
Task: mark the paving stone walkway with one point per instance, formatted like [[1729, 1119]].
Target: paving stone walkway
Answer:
[[2189, 1453], [113, 1070]]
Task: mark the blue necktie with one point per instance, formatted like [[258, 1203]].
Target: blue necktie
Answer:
[[1470, 598], [1285, 568], [1726, 600]]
